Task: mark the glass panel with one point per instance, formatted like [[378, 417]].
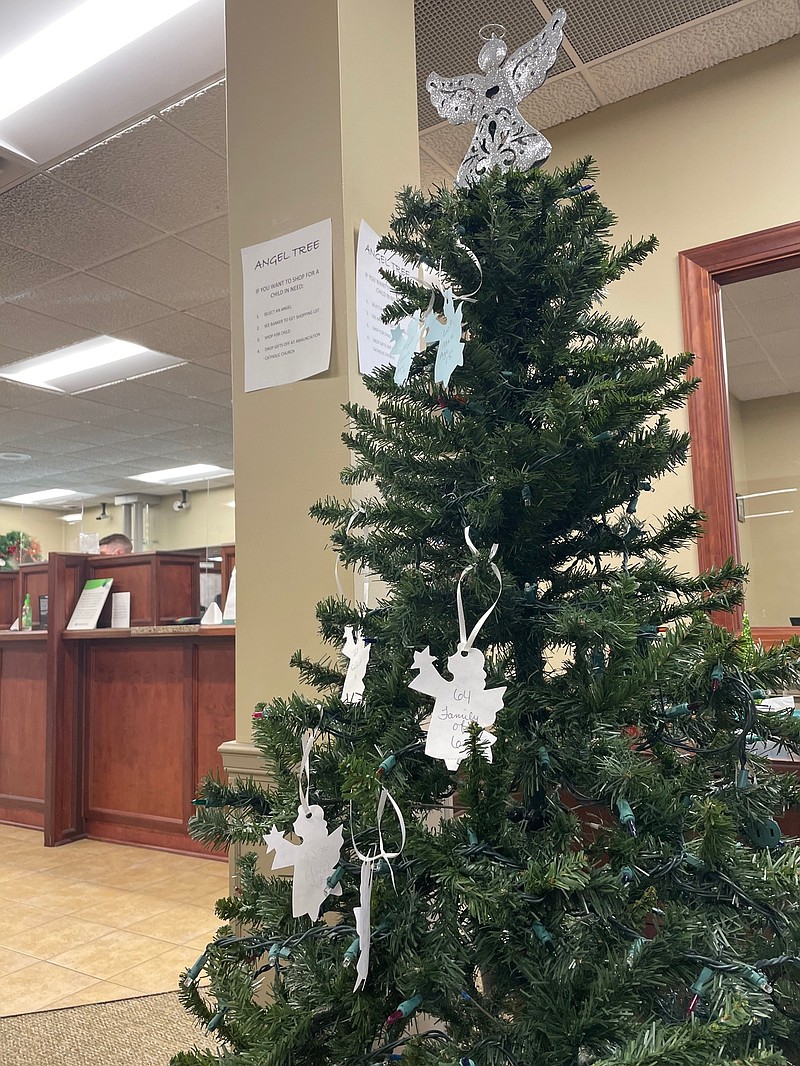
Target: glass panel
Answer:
[[761, 323]]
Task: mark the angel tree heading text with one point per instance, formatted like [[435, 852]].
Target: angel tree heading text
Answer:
[[285, 256]]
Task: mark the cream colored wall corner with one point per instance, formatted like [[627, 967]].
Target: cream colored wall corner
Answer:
[[711, 156], [321, 123], [43, 525]]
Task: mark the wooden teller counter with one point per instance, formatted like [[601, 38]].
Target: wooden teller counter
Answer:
[[105, 733]]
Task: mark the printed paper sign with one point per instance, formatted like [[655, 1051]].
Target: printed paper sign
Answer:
[[288, 307], [373, 293]]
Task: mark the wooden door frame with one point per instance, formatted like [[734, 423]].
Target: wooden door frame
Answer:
[[703, 271]]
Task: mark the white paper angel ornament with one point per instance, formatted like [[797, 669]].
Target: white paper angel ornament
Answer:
[[458, 703], [314, 860], [357, 651], [466, 698], [502, 136]]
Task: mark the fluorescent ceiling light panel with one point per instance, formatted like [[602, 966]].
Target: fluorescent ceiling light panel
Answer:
[[183, 475], [89, 33], [89, 365], [42, 496], [76, 517]]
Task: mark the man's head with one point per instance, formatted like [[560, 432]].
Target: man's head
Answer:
[[116, 544]]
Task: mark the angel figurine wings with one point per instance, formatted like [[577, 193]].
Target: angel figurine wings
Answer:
[[502, 136]]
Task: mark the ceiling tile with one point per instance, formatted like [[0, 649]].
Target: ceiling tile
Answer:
[[130, 395], [218, 312], [559, 100], [768, 287], [190, 412], [221, 361], [11, 355], [44, 444], [21, 271], [60, 465], [95, 433], [202, 116], [150, 171], [43, 216], [732, 33], [75, 408], [15, 424], [169, 272], [193, 380], [735, 327], [194, 437], [769, 316], [92, 303], [447, 143], [35, 334], [211, 237], [432, 173], [742, 352], [784, 350], [111, 455], [596, 30], [139, 423], [182, 336], [19, 396]]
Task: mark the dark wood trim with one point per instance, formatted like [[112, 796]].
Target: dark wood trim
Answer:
[[702, 271], [769, 635], [64, 737]]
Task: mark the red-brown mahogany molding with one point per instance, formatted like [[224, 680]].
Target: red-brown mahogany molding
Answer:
[[702, 271]]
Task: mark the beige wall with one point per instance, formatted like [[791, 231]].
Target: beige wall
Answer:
[[321, 124], [768, 435], [45, 526], [711, 156]]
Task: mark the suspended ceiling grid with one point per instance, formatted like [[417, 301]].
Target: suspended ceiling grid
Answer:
[[129, 236]]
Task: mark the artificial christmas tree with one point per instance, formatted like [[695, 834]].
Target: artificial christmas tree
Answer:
[[559, 844]]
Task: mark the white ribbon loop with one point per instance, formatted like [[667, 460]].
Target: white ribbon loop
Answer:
[[465, 642], [381, 853], [353, 517]]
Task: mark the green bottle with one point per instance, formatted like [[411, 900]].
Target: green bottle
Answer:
[[26, 620]]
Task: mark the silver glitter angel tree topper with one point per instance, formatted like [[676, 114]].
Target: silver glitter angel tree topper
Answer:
[[502, 136]]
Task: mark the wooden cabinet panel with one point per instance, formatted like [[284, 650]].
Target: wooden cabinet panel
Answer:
[[23, 693], [136, 698], [163, 586], [214, 711], [9, 596]]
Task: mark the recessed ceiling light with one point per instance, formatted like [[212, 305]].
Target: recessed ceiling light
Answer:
[[90, 32], [14, 457], [90, 364], [42, 496], [183, 475]]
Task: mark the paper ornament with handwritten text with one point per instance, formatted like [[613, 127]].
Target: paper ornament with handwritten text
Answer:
[[458, 703]]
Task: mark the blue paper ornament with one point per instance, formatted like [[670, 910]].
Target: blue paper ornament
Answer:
[[404, 344], [447, 334]]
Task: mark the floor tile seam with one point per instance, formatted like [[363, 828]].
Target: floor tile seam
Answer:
[[46, 958], [142, 936]]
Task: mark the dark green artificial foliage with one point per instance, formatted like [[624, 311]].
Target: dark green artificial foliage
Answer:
[[611, 889]]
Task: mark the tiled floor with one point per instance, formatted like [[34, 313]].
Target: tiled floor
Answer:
[[89, 921]]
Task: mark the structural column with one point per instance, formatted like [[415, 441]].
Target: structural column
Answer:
[[322, 123]]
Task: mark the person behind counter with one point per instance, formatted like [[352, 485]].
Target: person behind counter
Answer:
[[116, 544]]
